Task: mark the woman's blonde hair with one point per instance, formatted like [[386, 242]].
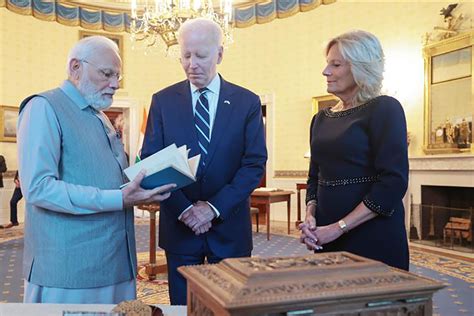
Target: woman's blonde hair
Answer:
[[362, 50]]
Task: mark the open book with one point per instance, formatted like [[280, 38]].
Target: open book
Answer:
[[169, 165]]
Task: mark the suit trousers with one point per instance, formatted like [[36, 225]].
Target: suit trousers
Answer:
[[16, 197], [176, 282]]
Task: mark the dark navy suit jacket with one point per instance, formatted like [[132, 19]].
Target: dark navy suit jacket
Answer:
[[234, 166]]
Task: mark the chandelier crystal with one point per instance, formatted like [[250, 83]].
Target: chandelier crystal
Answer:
[[157, 23]]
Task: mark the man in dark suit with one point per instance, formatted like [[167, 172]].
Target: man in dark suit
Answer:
[[210, 219], [16, 197], [3, 168]]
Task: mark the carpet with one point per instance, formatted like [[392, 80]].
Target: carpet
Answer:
[[11, 233], [151, 292], [456, 268]]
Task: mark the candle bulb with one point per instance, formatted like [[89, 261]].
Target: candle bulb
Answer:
[[134, 9]]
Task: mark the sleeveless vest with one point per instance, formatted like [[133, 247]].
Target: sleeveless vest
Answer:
[[81, 251]]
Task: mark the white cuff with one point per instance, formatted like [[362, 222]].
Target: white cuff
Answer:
[[215, 209], [185, 210]]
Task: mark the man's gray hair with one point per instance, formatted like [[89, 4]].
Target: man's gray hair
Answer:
[[362, 50], [89, 46], [212, 29]]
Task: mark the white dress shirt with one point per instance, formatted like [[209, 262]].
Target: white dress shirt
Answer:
[[213, 98]]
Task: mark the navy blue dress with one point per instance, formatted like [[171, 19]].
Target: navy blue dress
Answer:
[[360, 155]]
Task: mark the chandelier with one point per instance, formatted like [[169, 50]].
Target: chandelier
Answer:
[[157, 23]]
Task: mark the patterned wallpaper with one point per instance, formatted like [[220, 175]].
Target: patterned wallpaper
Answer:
[[283, 58]]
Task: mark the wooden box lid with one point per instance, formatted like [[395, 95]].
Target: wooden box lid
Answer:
[[242, 283]]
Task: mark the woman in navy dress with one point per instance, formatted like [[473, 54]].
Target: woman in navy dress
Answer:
[[358, 173]]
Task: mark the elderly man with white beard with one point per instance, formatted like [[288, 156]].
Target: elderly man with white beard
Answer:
[[79, 230]]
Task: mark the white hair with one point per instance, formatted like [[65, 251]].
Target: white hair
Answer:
[[212, 30], [89, 46], [362, 50]]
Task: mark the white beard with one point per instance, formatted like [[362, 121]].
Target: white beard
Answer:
[[93, 98]]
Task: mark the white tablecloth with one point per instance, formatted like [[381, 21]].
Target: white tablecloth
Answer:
[[18, 309]]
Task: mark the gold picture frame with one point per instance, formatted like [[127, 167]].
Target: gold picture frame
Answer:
[[324, 101], [118, 39], [448, 95], [8, 121]]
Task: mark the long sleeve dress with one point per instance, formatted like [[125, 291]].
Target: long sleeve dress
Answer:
[[360, 155]]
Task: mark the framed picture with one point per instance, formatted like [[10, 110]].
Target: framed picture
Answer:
[[322, 102], [8, 120], [120, 119], [118, 39]]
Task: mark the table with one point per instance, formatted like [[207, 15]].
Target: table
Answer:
[[153, 268], [299, 187], [14, 309], [263, 199]]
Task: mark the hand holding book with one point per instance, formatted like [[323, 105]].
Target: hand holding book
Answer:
[[169, 165], [134, 194]]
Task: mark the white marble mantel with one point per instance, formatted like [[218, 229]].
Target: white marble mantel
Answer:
[[443, 162], [444, 170], [436, 170]]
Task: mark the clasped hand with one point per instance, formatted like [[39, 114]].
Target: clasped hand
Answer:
[[315, 236], [308, 233], [199, 217], [134, 194]]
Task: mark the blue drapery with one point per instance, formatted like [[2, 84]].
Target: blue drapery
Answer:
[[119, 21]]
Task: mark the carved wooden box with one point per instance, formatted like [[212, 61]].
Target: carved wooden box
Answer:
[[337, 283]]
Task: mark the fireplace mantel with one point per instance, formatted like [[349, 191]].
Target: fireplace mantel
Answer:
[[455, 170], [442, 170], [442, 162]]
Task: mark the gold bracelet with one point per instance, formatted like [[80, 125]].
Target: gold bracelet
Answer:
[[343, 226]]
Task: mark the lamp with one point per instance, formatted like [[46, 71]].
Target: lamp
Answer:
[[158, 23]]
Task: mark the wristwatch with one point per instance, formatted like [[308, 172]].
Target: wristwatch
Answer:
[[343, 226]]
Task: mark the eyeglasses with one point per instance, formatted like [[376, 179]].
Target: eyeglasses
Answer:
[[106, 74]]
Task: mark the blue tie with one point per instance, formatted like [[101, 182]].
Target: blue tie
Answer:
[[202, 122]]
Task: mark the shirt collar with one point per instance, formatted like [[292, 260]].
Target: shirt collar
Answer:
[[213, 86], [73, 93]]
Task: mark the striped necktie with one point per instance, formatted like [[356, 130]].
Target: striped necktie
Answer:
[[202, 122]]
